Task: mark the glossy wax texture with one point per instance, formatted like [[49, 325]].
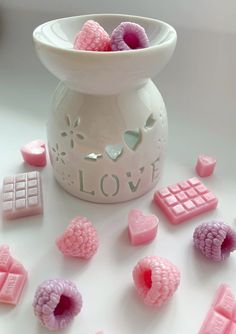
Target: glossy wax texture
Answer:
[[156, 279], [56, 303], [34, 153], [80, 239], [92, 37], [22, 195], [220, 319], [205, 165], [185, 200], [215, 240], [13, 277], [142, 229]]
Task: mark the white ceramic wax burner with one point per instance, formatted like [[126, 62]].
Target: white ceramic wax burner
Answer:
[[108, 127]]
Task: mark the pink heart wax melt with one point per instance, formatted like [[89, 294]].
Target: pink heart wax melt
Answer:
[[205, 165], [34, 153], [142, 229]]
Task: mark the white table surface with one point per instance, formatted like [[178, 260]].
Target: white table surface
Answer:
[[198, 87]]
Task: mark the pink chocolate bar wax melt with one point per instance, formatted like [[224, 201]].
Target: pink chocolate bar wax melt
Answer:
[[13, 277], [22, 195], [185, 200], [220, 318]]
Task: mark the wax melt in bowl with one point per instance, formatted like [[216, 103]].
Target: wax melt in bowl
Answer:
[[103, 72]]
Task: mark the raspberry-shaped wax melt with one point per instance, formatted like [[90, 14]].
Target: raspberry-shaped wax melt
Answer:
[[128, 36], [156, 279], [215, 240], [80, 239], [56, 303], [92, 37]]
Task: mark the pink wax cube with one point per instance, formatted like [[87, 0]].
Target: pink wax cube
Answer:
[[184, 200], [22, 195], [142, 229], [34, 153], [205, 165], [220, 318], [12, 277]]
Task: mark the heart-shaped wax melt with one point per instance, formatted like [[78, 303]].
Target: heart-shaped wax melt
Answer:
[[34, 153], [205, 165], [142, 229], [133, 138], [207, 159]]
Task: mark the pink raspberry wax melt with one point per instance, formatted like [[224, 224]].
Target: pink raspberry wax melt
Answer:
[[128, 36], [156, 279], [80, 239], [56, 303], [92, 37], [215, 240]]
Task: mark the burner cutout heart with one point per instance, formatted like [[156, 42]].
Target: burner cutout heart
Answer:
[[150, 122], [114, 151], [133, 138]]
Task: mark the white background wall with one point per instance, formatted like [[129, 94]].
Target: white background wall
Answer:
[[217, 15]]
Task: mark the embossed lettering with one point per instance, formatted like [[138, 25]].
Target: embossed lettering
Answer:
[[5, 259], [11, 284]]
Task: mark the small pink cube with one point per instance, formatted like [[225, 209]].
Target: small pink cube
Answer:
[[205, 165]]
